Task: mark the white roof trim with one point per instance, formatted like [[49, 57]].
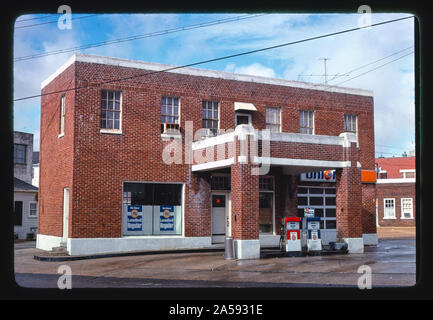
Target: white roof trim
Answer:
[[245, 106], [202, 73], [397, 180]]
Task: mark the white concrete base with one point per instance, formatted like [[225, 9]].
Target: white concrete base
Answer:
[[269, 240], [370, 239], [83, 246], [47, 243], [247, 249], [355, 245]]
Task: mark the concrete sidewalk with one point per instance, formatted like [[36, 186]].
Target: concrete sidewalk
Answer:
[[392, 263]]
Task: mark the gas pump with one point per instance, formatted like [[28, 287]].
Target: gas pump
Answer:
[[291, 235], [314, 241]]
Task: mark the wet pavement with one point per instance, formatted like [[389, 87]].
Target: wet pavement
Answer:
[[392, 263]]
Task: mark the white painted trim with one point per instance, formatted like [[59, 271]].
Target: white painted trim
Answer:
[[202, 73], [247, 249], [354, 245], [304, 162], [110, 131], [37, 210], [213, 164], [46, 242], [244, 106], [399, 180], [406, 170], [81, 246], [62, 68]]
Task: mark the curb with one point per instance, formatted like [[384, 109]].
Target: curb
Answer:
[[119, 254]]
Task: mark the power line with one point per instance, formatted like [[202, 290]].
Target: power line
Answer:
[[366, 65], [54, 21], [220, 58], [137, 37], [374, 68]]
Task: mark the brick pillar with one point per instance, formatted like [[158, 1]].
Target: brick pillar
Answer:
[[245, 207], [349, 201], [198, 205]]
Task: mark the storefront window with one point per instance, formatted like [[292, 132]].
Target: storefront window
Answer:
[[152, 209]]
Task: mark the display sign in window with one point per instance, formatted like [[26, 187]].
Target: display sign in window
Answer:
[[152, 209]]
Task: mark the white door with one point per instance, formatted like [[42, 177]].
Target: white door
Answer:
[[218, 223], [65, 215]]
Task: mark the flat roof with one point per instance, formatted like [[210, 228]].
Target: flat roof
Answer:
[[78, 57]]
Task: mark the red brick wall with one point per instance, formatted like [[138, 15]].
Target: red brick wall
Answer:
[[102, 162], [396, 191], [56, 154]]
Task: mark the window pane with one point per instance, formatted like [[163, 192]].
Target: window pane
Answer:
[[116, 124], [302, 201], [330, 212], [316, 190], [316, 201], [331, 224], [110, 95], [330, 201], [167, 194]]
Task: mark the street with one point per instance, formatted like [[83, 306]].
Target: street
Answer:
[[392, 263]]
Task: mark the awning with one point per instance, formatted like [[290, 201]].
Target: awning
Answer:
[[244, 106]]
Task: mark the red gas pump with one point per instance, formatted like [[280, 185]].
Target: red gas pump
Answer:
[[290, 240]]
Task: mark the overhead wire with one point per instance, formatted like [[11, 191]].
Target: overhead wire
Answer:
[[139, 36], [223, 58]]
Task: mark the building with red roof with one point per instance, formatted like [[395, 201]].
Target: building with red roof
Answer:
[[395, 188]]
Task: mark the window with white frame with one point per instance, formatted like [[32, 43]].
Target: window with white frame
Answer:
[[210, 116], [110, 109], [169, 114], [273, 119], [62, 114], [388, 208], [306, 122], [350, 123], [406, 208], [33, 209]]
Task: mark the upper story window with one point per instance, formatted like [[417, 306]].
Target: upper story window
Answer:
[[383, 174], [62, 115], [111, 109], [210, 116], [306, 122], [273, 119], [20, 153], [350, 123], [169, 114]]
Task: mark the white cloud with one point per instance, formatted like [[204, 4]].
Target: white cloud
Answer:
[[255, 69]]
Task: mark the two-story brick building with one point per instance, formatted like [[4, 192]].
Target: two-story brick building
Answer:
[[135, 157], [396, 192]]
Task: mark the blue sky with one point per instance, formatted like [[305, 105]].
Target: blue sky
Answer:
[[393, 84]]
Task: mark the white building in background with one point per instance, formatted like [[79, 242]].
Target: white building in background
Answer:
[[35, 168], [25, 214]]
